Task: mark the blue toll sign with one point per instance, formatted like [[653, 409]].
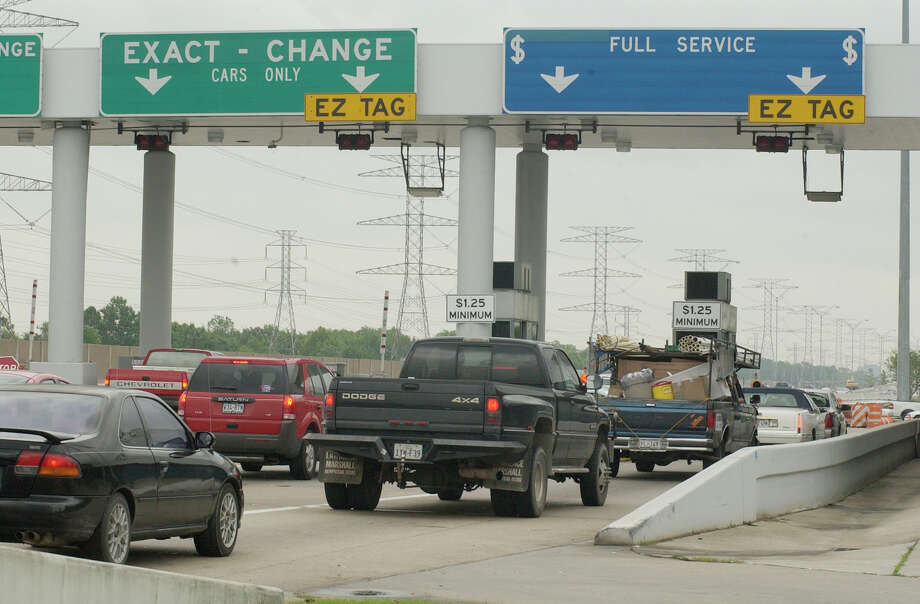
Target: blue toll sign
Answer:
[[674, 71]]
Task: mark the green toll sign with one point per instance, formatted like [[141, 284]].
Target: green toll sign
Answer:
[[21, 75], [249, 73]]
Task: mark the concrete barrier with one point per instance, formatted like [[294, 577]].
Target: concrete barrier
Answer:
[[39, 578], [762, 482]]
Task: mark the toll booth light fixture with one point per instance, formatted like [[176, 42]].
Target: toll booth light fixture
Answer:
[[773, 144], [152, 142], [561, 141], [354, 141]]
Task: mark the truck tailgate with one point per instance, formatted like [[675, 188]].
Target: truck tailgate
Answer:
[[674, 419], [410, 405]]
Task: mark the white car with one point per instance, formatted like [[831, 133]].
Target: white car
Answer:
[[835, 424], [900, 409], [785, 415]]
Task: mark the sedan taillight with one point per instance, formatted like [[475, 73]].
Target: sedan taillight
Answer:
[[33, 463]]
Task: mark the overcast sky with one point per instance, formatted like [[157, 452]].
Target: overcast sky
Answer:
[[749, 204]]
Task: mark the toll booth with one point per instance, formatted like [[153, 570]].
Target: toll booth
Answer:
[[707, 313], [517, 310]]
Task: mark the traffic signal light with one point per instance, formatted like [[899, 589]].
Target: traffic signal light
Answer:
[[772, 144], [151, 142], [561, 142], [353, 142]]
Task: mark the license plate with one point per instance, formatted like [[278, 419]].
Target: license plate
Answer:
[[648, 444], [766, 422], [407, 451], [233, 407]]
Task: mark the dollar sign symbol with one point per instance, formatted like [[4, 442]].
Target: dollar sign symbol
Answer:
[[516, 43], [851, 52]]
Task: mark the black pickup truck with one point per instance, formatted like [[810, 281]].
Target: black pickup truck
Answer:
[[502, 414]]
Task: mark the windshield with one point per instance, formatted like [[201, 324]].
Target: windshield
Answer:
[[175, 358], [772, 399], [238, 377], [50, 411], [12, 378]]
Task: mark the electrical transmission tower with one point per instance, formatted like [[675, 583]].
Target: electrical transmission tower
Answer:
[[626, 312], [773, 292], [285, 290], [698, 258], [602, 238], [11, 182], [10, 19], [412, 316]]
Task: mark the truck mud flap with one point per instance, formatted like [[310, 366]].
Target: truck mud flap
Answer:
[[513, 477], [340, 468]]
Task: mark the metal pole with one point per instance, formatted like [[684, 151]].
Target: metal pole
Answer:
[[383, 332], [530, 223], [32, 319], [904, 391], [477, 218], [157, 229]]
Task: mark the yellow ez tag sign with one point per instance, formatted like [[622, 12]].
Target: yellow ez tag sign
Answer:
[[360, 107], [807, 108]]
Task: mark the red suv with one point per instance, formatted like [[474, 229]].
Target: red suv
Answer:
[[259, 409]]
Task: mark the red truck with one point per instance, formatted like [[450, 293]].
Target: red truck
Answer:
[[259, 409], [164, 372]]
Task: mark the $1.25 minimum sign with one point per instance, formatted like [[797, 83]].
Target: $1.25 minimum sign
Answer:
[[20, 75], [470, 309], [249, 73]]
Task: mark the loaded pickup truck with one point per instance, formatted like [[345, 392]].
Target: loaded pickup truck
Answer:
[[164, 372], [705, 419], [497, 413]]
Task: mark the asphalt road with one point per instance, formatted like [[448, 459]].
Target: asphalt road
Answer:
[[292, 540]]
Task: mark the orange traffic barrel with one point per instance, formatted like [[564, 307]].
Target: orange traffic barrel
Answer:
[[859, 415], [875, 414]]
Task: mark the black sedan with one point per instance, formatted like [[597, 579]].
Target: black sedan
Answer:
[[99, 468]]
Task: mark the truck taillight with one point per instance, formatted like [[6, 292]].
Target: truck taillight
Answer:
[[798, 424], [182, 398], [107, 380], [493, 411], [288, 412], [32, 463], [711, 419], [330, 404], [828, 421], [185, 383]]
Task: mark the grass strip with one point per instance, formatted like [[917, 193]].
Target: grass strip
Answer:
[[904, 559]]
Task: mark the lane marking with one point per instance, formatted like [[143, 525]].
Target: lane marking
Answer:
[[315, 506]]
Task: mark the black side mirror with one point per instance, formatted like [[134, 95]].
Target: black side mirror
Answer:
[[204, 440]]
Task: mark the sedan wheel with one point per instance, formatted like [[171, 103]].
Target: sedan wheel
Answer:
[[111, 541], [220, 537]]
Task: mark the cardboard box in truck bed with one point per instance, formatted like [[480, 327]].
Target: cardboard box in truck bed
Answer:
[[661, 369]]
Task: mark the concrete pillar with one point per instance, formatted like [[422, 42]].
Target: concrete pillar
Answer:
[[530, 219], [477, 217], [69, 171], [157, 250]]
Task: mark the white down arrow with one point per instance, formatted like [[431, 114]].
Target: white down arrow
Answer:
[[806, 82], [559, 81], [152, 83]]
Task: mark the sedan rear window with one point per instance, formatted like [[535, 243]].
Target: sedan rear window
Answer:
[[773, 399], [52, 412], [250, 378]]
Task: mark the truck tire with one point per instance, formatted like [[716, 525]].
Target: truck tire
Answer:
[[719, 454], [502, 503], [251, 467], [645, 466], [615, 464], [450, 494], [594, 484], [336, 495], [303, 467], [364, 496], [531, 502]]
